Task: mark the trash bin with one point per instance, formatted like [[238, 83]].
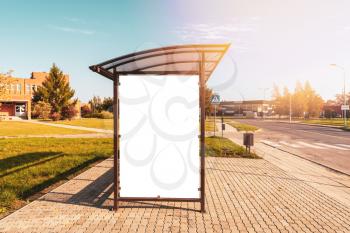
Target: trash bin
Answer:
[[248, 139]]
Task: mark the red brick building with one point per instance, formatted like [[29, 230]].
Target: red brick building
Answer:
[[20, 92]]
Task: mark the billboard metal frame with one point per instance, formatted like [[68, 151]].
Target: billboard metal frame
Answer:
[[202, 66]]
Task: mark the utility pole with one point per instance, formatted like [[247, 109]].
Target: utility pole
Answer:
[[344, 92]]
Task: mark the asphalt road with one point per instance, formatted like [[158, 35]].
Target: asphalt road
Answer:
[[324, 145]]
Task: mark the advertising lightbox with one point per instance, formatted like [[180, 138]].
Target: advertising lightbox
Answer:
[[159, 136]]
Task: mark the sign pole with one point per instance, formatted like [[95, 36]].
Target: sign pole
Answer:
[[222, 125], [214, 118], [345, 108], [215, 99]]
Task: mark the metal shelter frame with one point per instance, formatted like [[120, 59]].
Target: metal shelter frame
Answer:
[[199, 59]]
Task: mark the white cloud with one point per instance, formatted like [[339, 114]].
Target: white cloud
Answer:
[[74, 20], [73, 30], [200, 32]]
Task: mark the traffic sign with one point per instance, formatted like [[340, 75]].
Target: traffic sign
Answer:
[[345, 107], [215, 99]]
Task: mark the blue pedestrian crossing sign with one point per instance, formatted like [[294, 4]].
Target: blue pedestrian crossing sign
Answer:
[[215, 99]]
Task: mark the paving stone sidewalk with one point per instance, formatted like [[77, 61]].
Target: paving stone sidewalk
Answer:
[[329, 182], [242, 195]]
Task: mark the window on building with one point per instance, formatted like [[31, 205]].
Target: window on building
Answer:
[[27, 88], [19, 88], [34, 87], [12, 87]]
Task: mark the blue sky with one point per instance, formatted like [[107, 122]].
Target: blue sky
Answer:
[[272, 41]]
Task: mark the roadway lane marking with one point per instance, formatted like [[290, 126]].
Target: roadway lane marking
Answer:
[[344, 145], [270, 143], [329, 135], [290, 144], [332, 146], [310, 145]]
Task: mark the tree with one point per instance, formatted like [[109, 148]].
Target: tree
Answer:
[[286, 100], [55, 116], [299, 102], [56, 91], [281, 102], [305, 101], [107, 104], [208, 96], [339, 98], [41, 110], [314, 102], [85, 111], [69, 112], [276, 95], [4, 85], [96, 104]]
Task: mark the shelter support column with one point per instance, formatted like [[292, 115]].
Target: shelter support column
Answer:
[[202, 127], [116, 140]]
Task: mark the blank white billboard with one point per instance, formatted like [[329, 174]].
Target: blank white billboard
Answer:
[[159, 128]]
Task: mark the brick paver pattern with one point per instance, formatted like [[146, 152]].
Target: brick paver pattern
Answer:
[[242, 195]]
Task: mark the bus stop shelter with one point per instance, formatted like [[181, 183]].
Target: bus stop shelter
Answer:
[[196, 62]]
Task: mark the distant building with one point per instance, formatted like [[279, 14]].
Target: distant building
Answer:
[[331, 110], [20, 92], [247, 108]]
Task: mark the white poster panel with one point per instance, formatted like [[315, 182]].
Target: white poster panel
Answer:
[[159, 128]]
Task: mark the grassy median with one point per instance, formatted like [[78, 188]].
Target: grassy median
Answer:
[[332, 122], [242, 127], [210, 126], [223, 147], [32, 164]]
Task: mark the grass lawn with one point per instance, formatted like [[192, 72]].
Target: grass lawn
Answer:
[[335, 122], [89, 122], [19, 128], [108, 123], [209, 125], [29, 165], [223, 147], [242, 127]]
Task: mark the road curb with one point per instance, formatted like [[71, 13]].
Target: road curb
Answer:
[[299, 156]]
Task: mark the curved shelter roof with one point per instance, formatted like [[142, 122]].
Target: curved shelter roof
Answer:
[[182, 59]]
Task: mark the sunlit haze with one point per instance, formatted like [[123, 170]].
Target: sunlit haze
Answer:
[[271, 41]]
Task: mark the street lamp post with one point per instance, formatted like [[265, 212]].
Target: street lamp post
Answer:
[[344, 91]]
